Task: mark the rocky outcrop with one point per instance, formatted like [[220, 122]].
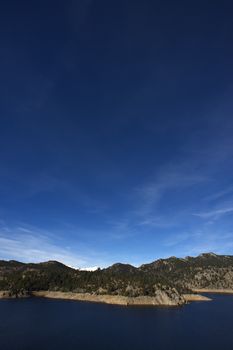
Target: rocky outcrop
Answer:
[[4, 294], [7, 294]]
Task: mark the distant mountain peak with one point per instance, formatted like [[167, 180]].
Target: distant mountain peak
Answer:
[[91, 268], [121, 268]]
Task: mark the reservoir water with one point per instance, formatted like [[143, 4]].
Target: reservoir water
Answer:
[[41, 324]]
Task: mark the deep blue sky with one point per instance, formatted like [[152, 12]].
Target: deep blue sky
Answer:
[[116, 130]]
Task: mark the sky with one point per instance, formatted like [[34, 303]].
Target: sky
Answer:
[[116, 130]]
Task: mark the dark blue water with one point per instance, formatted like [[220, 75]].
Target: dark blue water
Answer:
[[41, 324]]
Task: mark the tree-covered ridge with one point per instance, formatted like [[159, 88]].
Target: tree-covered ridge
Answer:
[[172, 274]]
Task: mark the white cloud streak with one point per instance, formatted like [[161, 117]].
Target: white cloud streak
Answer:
[[200, 241], [219, 194], [26, 245], [214, 214], [173, 177]]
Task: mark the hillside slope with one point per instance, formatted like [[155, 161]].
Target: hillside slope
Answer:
[[164, 278]]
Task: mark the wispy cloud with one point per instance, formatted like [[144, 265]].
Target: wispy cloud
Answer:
[[218, 243], [180, 238], [148, 197], [34, 245], [152, 192], [199, 241], [214, 214], [157, 222], [219, 194]]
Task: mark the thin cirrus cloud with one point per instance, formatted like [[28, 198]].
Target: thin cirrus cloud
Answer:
[[214, 214], [220, 194], [27, 245], [148, 197], [199, 241], [150, 194]]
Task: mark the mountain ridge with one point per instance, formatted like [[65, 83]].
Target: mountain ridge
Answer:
[[54, 262], [165, 279]]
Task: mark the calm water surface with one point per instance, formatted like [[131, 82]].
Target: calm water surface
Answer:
[[38, 324]]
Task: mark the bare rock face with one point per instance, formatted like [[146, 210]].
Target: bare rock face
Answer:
[[212, 278], [171, 297]]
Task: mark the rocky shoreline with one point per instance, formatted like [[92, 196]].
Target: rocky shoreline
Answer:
[[111, 299], [195, 297], [162, 300], [6, 294], [215, 291]]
